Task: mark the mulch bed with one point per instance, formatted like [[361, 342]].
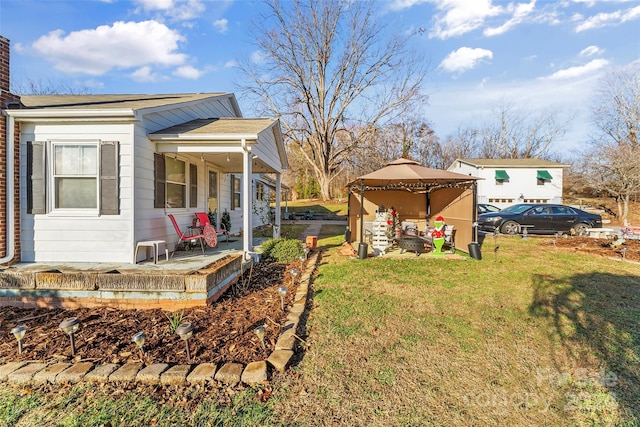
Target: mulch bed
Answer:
[[224, 330], [598, 247]]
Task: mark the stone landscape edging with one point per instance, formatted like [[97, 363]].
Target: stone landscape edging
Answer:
[[230, 373]]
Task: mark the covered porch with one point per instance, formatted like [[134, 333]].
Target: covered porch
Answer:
[[232, 145]]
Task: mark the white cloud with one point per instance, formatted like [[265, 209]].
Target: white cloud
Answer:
[[458, 17], [145, 75], [231, 64], [188, 72], [180, 10], [122, 45], [222, 25], [189, 10], [579, 71], [609, 19], [258, 57], [405, 4], [465, 58], [591, 51], [519, 13], [151, 5]]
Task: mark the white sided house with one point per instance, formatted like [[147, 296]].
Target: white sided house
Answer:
[[99, 173], [509, 181]]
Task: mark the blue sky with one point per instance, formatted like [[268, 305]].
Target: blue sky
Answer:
[[540, 55]]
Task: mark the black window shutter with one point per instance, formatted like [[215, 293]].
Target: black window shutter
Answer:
[[36, 196], [160, 181], [109, 172], [193, 185]]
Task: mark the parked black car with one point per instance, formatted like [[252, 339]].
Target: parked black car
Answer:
[[539, 219], [486, 208]]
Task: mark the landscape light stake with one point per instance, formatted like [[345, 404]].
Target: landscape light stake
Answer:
[[138, 339], [18, 332], [306, 252], [70, 326], [185, 331], [624, 253], [259, 331], [282, 290], [294, 273]]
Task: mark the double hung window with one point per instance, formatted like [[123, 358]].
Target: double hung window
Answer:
[[73, 177], [176, 183]]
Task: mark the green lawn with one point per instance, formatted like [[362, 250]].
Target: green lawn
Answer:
[[530, 335], [316, 207]]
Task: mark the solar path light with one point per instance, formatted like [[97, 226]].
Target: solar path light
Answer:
[[185, 331], [282, 291], [138, 339], [70, 326], [19, 332], [259, 331]]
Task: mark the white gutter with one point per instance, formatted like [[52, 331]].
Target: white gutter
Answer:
[[249, 138], [10, 197], [75, 114]]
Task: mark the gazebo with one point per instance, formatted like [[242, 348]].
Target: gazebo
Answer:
[[417, 194]]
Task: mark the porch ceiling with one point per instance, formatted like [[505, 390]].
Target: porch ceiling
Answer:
[[222, 141]]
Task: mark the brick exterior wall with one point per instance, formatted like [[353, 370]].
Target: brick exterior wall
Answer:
[[5, 97]]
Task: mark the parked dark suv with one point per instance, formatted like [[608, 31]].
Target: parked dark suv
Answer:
[[539, 219]]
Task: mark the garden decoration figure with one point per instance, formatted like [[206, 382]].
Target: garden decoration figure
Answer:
[[438, 235], [393, 223]]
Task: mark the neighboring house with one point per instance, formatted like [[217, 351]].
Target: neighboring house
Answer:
[[99, 173], [509, 181]]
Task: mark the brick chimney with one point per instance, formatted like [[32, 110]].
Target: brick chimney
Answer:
[[6, 98]]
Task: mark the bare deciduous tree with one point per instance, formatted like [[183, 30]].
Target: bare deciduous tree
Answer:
[[511, 133], [49, 87], [614, 166], [328, 69]]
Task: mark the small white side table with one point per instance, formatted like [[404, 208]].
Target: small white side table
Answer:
[[155, 246]]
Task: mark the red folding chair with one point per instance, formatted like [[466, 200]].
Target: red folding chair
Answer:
[[182, 237], [204, 219]]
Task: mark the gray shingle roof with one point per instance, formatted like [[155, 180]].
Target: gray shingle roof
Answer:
[[132, 101], [222, 126]]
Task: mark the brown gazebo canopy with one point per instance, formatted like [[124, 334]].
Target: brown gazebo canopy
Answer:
[[409, 174]]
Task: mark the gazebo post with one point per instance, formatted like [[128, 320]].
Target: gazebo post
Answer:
[[363, 248], [347, 231], [428, 207]]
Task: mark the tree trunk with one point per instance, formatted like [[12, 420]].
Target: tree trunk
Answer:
[[325, 186], [620, 208]]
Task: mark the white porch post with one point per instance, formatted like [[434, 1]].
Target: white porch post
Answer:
[[247, 210], [276, 229]]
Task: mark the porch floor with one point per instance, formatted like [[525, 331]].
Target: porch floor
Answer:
[[182, 262], [188, 279]]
